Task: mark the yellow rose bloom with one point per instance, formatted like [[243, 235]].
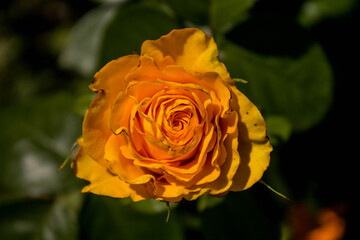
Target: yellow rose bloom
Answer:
[[170, 124]]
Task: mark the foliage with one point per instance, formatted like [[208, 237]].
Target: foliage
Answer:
[[280, 54]]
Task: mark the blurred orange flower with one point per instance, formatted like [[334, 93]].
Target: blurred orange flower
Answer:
[[325, 224], [330, 226], [170, 124]]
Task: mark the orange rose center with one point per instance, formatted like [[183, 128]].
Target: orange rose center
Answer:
[[167, 121]]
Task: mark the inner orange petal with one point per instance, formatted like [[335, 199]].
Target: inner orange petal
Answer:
[[122, 166]]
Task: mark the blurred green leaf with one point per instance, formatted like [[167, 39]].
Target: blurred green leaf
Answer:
[[208, 201], [110, 216], [83, 48], [9, 51], [274, 177], [190, 219], [239, 217], [131, 26], [196, 12], [299, 89], [20, 220], [278, 129], [225, 14], [314, 11], [61, 220], [38, 136], [33, 173], [82, 103], [148, 206], [41, 219], [110, 1]]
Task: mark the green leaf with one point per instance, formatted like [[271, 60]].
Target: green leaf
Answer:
[[82, 103], [148, 206], [41, 218], [61, 220], [274, 176], [83, 48], [196, 12], [208, 201], [278, 129], [130, 28], [241, 216], [314, 11], [299, 88], [225, 14], [108, 215], [38, 136], [110, 1], [20, 220]]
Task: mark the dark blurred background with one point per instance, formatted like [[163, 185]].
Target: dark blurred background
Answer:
[[301, 60]]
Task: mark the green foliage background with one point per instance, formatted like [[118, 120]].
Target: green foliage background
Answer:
[[300, 59]]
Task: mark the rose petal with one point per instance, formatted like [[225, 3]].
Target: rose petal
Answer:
[[187, 171], [108, 81], [102, 182], [119, 116], [95, 127], [122, 166], [254, 145], [149, 123], [147, 70], [207, 175], [191, 48], [228, 168], [112, 76]]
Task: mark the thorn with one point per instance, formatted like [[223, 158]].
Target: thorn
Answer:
[[240, 80], [274, 191], [168, 214], [68, 157]]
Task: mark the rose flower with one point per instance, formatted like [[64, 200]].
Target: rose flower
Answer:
[[170, 124]]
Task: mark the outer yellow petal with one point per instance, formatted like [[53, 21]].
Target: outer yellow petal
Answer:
[[108, 82], [254, 145], [229, 168], [102, 182], [169, 191], [119, 115], [190, 48], [111, 77], [95, 127]]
